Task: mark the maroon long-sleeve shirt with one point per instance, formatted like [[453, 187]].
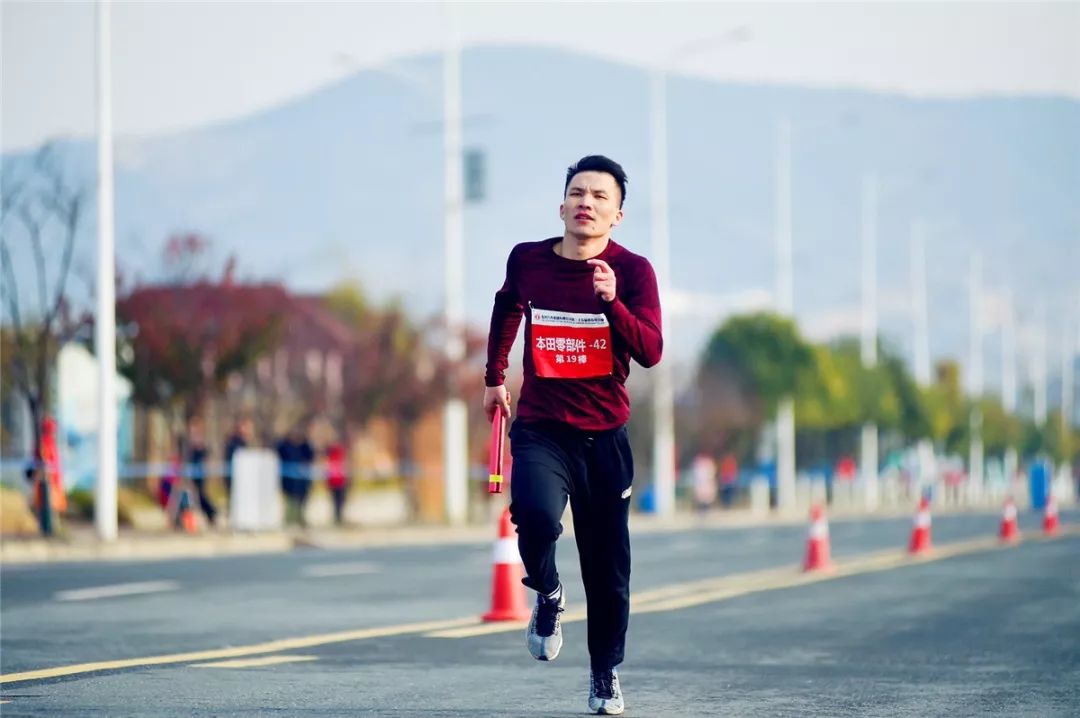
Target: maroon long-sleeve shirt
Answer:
[[569, 339]]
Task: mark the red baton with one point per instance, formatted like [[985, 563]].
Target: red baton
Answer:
[[495, 464]]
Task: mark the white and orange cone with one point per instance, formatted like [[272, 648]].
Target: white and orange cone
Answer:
[[920, 532], [1050, 517], [1010, 531], [817, 545], [507, 593]]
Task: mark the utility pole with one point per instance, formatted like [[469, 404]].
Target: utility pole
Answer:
[[1008, 376], [868, 454], [785, 293], [663, 398], [975, 375], [1066, 373], [1038, 366], [921, 321], [663, 389], [105, 488], [455, 415]]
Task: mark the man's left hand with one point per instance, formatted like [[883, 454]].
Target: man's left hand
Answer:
[[603, 280]]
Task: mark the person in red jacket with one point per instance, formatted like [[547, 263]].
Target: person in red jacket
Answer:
[[337, 479], [590, 306]]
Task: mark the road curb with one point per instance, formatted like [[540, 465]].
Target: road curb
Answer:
[[153, 547], [35, 551]]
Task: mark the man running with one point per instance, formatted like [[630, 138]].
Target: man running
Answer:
[[590, 306]]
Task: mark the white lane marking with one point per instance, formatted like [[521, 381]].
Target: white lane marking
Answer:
[[115, 590], [256, 662], [328, 570]]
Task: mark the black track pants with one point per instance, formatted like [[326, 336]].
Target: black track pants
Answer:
[[554, 462]]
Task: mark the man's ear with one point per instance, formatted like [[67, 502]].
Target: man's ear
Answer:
[[618, 218], [562, 210]]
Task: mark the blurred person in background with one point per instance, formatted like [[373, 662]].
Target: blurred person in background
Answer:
[[337, 479], [729, 474], [846, 468], [241, 437], [704, 471], [590, 306], [296, 456], [195, 467]]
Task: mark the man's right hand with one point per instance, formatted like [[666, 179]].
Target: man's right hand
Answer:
[[496, 398]]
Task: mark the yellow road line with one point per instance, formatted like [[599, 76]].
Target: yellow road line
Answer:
[[711, 590], [286, 644], [256, 662]]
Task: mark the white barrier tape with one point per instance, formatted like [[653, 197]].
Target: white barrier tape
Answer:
[[506, 551]]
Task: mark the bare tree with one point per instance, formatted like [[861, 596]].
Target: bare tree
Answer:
[[41, 212]]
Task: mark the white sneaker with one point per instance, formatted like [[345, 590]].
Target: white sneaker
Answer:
[[544, 636], [605, 695]]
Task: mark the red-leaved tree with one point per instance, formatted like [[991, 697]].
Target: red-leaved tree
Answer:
[[179, 343]]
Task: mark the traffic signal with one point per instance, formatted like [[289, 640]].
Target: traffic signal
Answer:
[[475, 175]]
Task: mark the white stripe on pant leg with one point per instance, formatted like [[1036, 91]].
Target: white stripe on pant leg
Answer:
[[506, 551]]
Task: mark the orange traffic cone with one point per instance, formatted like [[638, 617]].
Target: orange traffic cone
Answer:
[[185, 509], [187, 521], [507, 593], [920, 533], [1010, 532], [817, 546], [1050, 517]]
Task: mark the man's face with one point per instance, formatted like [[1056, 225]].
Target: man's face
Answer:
[[591, 206]]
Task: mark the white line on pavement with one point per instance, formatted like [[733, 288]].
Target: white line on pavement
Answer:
[[115, 590], [327, 570]]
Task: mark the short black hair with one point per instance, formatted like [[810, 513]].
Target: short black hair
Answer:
[[598, 163]]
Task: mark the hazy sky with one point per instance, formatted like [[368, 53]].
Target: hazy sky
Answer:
[[179, 65]]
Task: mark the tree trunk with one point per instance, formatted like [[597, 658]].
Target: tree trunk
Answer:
[[38, 476]]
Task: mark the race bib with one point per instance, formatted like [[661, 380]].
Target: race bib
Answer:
[[567, 345]]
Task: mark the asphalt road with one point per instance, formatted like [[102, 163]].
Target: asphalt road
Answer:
[[988, 631]]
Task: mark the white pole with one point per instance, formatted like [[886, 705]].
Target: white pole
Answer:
[[1008, 376], [920, 312], [1038, 366], [785, 290], [1076, 353], [455, 438], [975, 376], [1066, 372], [868, 453], [921, 321], [105, 488], [1008, 355], [663, 390], [785, 295]]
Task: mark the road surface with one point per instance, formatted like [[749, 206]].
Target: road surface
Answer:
[[724, 624]]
